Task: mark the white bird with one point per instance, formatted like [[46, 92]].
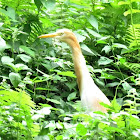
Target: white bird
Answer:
[[91, 95]]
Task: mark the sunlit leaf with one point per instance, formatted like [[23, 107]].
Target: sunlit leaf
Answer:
[[10, 12], [21, 67], [104, 61], [80, 38], [81, 130], [86, 50], [67, 73], [49, 4], [114, 129], [53, 101], [107, 49], [123, 3], [27, 50], [112, 84], [7, 60], [117, 45], [15, 79], [60, 137], [93, 33], [71, 96], [44, 111], [24, 57], [3, 45], [126, 86], [107, 76], [93, 21], [129, 12]]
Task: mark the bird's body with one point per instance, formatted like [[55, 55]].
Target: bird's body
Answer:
[[90, 94]]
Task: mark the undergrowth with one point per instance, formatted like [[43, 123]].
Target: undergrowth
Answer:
[[39, 97]]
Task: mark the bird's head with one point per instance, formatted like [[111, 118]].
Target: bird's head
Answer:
[[64, 35]]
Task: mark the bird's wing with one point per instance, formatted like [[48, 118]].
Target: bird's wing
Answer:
[[92, 96]]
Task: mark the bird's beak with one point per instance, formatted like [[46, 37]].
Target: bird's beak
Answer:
[[48, 35]]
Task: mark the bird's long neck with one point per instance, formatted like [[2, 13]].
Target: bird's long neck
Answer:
[[80, 67]]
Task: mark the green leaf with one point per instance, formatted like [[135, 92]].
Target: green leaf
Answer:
[[107, 49], [15, 79], [2, 42], [3, 45], [59, 137], [124, 3], [104, 61], [80, 38], [93, 21], [101, 83], [24, 57], [126, 86], [10, 12], [67, 73], [27, 50], [21, 67], [117, 45], [81, 130], [114, 84], [115, 105], [71, 96], [11, 65], [87, 50], [6, 60], [93, 33], [107, 76], [71, 85], [38, 4], [53, 101], [23, 98], [114, 129], [44, 111], [129, 12], [49, 4]]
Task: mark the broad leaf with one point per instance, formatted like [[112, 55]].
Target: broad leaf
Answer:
[[80, 38], [15, 79], [107, 49], [104, 61], [71, 85], [6, 60], [117, 45], [114, 84], [49, 4], [126, 86], [81, 130], [53, 101], [131, 11], [67, 73], [71, 96], [21, 67], [93, 33], [24, 57], [27, 50], [10, 12], [107, 76], [3, 45], [38, 4], [93, 21], [87, 50]]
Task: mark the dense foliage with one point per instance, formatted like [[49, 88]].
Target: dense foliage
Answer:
[[39, 97]]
